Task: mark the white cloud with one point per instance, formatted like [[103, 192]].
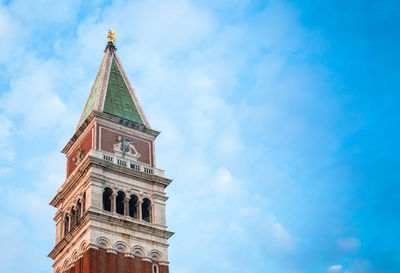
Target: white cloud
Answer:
[[279, 232], [278, 238], [6, 149], [32, 96], [360, 266], [12, 32], [335, 268], [38, 194], [4, 171], [12, 234], [44, 12], [349, 243], [165, 27], [224, 183]]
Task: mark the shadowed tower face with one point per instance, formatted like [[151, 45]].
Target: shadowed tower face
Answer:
[[111, 208]]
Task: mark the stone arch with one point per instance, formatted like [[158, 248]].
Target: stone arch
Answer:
[[58, 270], [146, 210], [75, 255], [155, 255], [66, 224], [138, 251], [133, 206], [107, 195], [103, 242], [66, 265], [119, 202], [73, 216], [78, 210], [83, 246], [145, 196], [154, 268], [120, 247]]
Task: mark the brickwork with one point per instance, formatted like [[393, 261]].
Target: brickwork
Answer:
[[85, 144], [101, 261], [107, 140]]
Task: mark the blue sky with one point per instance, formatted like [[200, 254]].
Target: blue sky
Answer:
[[279, 126]]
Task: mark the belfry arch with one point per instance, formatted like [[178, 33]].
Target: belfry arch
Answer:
[[133, 206], [146, 210], [107, 194]]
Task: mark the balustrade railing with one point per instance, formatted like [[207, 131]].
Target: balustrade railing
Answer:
[[135, 165]]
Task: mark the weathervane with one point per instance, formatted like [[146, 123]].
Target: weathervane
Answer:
[[111, 35]]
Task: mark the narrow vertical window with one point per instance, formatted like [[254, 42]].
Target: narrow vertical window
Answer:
[[73, 217], [146, 209], [155, 268], [83, 203], [107, 199], [133, 206], [78, 210], [120, 202], [66, 224]]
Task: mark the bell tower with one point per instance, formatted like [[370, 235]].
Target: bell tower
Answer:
[[111, 208]]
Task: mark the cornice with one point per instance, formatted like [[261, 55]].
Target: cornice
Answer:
[[130, 172], [71, 181], [81, 224], [127, 123], [78, 132], [121, 121], [85, 222], [129, 224], [90, 161]]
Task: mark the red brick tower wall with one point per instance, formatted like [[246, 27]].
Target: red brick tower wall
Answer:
[[101, 261], [86, 144], [106, 141]]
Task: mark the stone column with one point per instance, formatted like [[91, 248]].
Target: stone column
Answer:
[[126, 206], [151, 212], [62, 231], [84, 203], [113, 198], [82, 207], [139, 209], [75, 220], [64, 224], [70, 220]]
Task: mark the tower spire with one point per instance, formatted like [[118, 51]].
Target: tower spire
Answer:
[[112, 92]]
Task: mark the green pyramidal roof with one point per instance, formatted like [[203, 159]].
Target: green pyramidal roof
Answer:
[[118, 99], [91, 101], [111, 92]]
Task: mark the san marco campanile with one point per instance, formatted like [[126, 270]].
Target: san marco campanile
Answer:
[[111, 208]]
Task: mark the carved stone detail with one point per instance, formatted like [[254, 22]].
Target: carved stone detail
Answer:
[[79, 155], [125, 147]]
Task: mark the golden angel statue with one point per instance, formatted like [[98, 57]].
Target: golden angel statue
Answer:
[[111, 35]]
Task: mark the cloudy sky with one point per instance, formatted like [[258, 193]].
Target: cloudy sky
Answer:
[[279, 126]]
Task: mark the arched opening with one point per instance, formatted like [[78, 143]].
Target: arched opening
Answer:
[[78, 210], [66, 224], [107, 199], [133, 212], [83, 203], [73, 217], [155, 268], [146, 209], [120, 202]]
